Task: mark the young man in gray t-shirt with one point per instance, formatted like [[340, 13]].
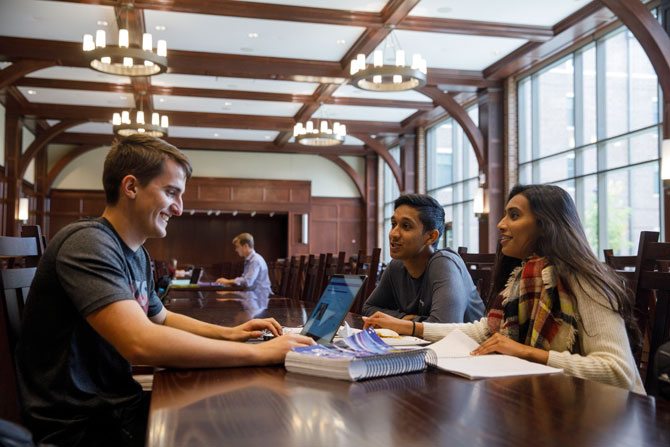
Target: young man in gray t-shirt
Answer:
[[92, 311], [422, 283]]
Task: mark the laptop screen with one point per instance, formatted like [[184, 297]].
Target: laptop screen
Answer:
[[332, 307], [195, 275]]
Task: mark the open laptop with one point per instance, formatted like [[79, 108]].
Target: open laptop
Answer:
[[332, 307]]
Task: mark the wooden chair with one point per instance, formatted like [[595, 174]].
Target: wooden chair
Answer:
[[623, 265], [14, 286], [285, 276], [310, 278], [366, 265], [652, 301], [480, 267], [296, 272], [34, 231]]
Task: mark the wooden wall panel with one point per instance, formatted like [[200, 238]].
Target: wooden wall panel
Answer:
[[336, 225], [203, 240]]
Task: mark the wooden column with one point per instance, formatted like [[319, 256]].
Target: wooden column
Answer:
[[41, 207], [408, 162], [13, 135], [490, 102], [369, 230], [420, 160]]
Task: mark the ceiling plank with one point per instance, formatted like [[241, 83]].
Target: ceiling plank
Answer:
[[476, 28], [255, 10]]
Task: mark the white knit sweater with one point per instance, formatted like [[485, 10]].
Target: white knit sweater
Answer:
[[605, 354]]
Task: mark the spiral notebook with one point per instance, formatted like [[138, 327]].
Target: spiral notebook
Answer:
[[363, 355]]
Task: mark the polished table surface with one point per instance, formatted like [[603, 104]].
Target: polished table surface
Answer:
[[268, 406]]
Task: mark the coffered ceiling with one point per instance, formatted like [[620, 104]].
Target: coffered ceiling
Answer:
[[243, 72]]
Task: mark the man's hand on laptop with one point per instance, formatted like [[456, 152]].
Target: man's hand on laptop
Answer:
[[254, 329], [225, 281], [274, 351]]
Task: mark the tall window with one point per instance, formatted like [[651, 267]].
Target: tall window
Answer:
[[452, 177], [590, 124], [391, 192]]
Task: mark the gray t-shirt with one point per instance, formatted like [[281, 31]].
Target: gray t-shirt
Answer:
[[444, 293], [67, 373]]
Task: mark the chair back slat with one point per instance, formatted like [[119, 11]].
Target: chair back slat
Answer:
[[341, 262], [14, 287], [480, 267]]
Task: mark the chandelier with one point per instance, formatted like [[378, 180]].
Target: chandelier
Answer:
[[124, 60], [319, 135], [123, 126], [392, 76]]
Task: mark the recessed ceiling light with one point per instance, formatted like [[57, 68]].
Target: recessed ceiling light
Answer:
[[102, 23], [32, 92], [444, 9], [267, 137], [253, 35], [216, 134], [122, 97], [227, 103], [161, 100], [495, 52], [160, 28], [341, 41], [247, 49]]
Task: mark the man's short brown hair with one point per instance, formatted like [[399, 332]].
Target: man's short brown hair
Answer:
[[141, 156], [244, 238]]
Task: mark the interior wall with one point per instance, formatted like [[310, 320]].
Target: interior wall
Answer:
[[328, 180]]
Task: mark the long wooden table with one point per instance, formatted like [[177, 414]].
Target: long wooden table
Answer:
[[268, 406]]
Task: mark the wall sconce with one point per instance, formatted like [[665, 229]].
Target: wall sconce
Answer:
[[478, 205], [24, 205], [304, 239], [665, 163]]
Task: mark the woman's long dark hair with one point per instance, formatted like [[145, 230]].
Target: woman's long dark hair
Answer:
[[563, 242]]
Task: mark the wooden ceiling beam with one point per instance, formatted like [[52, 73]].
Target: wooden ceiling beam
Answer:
[[476, 28], [19, 69], [223, 94], [577, 26], [392, 14], [228, 65], [196, 119], [258, 10]]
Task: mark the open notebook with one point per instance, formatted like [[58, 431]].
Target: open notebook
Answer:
[[453, 355]]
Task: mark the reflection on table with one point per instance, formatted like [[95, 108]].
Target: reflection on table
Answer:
[[268, 406]]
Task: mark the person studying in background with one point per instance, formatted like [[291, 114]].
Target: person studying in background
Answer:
[[92, 311], [422, 283], [255, 275], [556, 303]]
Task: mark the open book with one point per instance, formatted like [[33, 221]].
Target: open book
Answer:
[[453, 355], [361, 356]]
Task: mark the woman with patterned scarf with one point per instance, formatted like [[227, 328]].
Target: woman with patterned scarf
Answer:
[[553, 302]]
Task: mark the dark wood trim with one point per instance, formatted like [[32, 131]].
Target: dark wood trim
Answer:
[[381, 150], [350, 172], [567, 32], [472, 27], [649, 33], [460, 115], [392, 14], [41, 141], [64, 161], [19, 69]]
